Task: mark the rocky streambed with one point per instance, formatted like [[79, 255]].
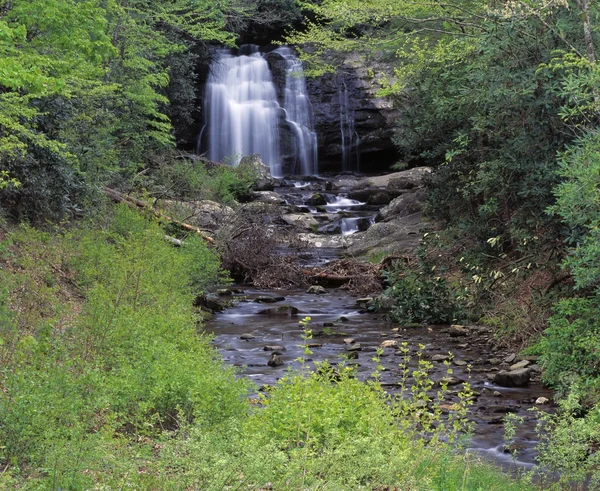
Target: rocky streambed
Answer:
[[261, 333]]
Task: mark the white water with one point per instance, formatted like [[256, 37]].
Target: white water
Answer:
[[243, 114], [299, 114], [350, 138]]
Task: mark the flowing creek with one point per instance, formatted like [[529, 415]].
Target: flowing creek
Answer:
[[245, 338]]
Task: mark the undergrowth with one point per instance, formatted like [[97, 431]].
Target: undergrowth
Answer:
[[107, 382]]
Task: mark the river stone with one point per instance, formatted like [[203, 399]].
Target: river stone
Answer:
[[519, 365], [389, 343], [542, 400], [281, 310], [460, 363], [364, 301], [440, 357], [302, 221], [342, 319], [354, 347], [515, 378], [274, 347], [316, 290], [268, 299], [449, 381], [349, 341], [275, 360], [352, 355], [510, 358], [247, 337], [316, 199], [315, 345], [210, 302], [456, 331]]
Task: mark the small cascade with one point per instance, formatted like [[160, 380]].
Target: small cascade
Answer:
[[244, 115], [299, 114], [350, 138]]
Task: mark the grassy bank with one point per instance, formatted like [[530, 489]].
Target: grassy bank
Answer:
[[107, 382]]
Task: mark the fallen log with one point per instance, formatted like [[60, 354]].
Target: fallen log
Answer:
[[134, 202]]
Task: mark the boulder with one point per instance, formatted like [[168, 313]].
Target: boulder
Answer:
[[397, 236], [514, 378], [316, 199], [269, 197], [402, 206], [210, 302], [253, 166], [302, 221]]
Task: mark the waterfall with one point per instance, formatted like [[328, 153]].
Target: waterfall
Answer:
[[242, 109], [299, 114], [350, 138], [243, 113]]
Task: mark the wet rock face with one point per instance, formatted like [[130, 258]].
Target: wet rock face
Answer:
[[373, 118]]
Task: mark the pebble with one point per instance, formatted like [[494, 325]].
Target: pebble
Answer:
[[247, 337], [440, 357], [389, 343], [460, 363]]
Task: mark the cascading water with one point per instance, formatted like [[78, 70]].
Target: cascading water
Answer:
[[243, 114], [299, 114], [242, 109], [350, 138]]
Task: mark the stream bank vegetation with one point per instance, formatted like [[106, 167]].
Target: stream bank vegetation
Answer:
[[108, 381]]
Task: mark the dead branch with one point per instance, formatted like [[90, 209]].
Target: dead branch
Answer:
[[134, 202]]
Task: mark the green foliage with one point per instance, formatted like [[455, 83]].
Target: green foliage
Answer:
[[124, 360], [415, 297], [568, 444], [83, 91], [200, 180], [571, 343]]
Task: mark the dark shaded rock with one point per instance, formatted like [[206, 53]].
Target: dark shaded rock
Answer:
[[275, 360], [281, 310], [354, 347], [515, 378], [316, 199], [268, 299], [402, 206], [210, 302], [274, 347]]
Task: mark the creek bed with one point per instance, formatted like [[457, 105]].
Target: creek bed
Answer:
[[369, 330]]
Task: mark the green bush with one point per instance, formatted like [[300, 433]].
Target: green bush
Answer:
[[571, 344], [417, 298]]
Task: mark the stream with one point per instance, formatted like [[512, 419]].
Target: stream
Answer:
[[343, 326]]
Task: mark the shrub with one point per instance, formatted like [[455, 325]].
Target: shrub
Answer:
[[418, 298]]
